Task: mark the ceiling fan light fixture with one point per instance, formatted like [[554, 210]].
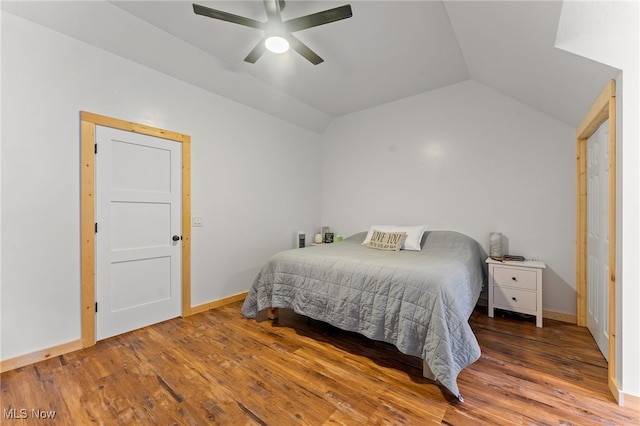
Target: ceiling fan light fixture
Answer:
[[276, 44], [276, 28]]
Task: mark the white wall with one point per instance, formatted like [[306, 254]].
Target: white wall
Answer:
[[255, 179], [609, 32], [463, 158]]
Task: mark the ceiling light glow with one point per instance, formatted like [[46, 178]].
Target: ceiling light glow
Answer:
[[277, 44]]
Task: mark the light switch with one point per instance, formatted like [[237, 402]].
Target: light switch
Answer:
[[197, 221]]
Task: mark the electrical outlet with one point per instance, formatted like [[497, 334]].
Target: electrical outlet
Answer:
[[197, 221]]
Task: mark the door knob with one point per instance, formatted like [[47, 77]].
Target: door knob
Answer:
[[176, 238]]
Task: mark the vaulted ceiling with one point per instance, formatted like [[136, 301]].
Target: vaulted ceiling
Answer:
[[388, 50]]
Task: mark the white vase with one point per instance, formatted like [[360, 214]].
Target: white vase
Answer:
[[495, 244], [318, 238]]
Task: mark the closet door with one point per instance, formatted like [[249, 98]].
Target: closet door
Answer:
[[598, 236]]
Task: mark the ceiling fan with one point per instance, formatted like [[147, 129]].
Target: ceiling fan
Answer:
[[276, 27]]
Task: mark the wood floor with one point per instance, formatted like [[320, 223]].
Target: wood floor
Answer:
[[219, 368]]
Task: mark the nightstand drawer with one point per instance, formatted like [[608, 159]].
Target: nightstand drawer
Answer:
[[514, 299], [514, 277]]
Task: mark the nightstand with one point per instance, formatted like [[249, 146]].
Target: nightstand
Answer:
[[516, 286]]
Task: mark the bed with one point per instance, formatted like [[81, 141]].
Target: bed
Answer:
[[419, 301]]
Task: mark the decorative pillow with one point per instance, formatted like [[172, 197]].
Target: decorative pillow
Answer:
[[383, 228], [414, 235], [387, 240]]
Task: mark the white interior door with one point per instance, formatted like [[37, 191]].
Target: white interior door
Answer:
[[138, 213], [598, 237]]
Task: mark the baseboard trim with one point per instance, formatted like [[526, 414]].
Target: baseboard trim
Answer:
[[630, 401], [624, 399], [37, 356], [217, 303], [559, 316]]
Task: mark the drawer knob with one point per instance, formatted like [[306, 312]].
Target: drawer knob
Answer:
[[514, 299], [514, 278]]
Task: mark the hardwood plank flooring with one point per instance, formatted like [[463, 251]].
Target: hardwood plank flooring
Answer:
[[218, 368]]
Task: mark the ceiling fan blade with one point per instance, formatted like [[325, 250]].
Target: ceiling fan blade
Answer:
[[320, 18], [303, 50], [256, 52], [229, 17]]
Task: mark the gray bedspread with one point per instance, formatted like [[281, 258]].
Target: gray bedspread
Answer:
[[420, 301]]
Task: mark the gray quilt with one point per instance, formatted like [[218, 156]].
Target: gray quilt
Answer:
[[420, 301]]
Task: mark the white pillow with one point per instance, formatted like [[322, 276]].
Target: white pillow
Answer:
[[414, 235]]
